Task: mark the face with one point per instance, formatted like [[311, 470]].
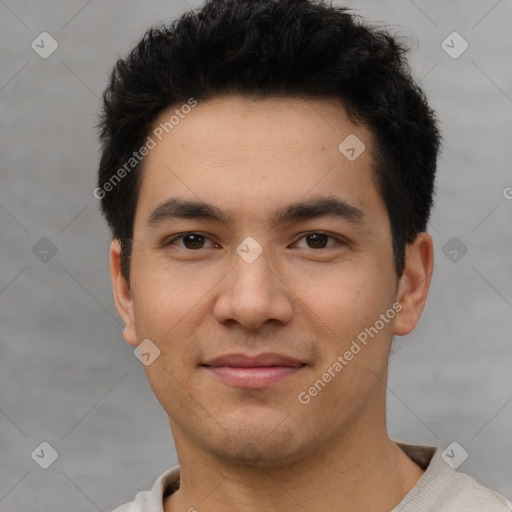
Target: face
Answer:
[[279, 274]]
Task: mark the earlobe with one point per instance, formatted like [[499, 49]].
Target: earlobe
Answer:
[[122, 294], [414, 283]]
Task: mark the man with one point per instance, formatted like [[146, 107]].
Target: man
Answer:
[[267, 172]]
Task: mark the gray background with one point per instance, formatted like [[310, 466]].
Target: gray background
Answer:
[[67, 376]]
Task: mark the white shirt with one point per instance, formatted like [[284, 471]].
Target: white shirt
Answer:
[[440, 489]]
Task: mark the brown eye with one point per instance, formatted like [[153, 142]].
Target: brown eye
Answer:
[[192, 241], [318, 241]]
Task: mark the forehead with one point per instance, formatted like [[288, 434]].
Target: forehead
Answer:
[[251, 154]]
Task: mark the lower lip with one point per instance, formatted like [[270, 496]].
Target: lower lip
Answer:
[[253, 378]]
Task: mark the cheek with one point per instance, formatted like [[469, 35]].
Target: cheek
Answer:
[[346, 297], [165, 296]]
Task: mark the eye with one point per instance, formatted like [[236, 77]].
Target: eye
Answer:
[[195, 241], [192, 241], [318, 240]]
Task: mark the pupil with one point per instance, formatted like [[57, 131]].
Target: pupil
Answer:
[[317, 239], [196, 241]]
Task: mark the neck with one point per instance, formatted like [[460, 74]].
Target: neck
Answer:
[[357, 472]]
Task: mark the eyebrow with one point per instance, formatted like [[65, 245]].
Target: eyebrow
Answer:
[[174, 208]]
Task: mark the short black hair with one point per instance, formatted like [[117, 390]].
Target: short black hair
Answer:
[[265, 49]]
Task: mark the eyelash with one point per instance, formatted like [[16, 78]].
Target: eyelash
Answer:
[[170, 241]]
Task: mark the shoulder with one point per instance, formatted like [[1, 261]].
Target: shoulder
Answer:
[[444, 489], [467, 493], [137, 505], [132, 506], [152, 500], [464, 493]]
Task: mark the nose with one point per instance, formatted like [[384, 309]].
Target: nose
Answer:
[[254, 294]]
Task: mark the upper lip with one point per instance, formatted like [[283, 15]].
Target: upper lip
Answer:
[[245, 361]]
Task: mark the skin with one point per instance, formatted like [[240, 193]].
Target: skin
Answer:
[[261, 449]]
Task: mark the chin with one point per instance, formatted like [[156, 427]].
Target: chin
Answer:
[[253, 456], [264, 449]]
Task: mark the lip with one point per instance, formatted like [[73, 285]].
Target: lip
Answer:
[[253, 372], [261, 360]]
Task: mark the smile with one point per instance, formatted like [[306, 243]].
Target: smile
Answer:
[[253, 372]]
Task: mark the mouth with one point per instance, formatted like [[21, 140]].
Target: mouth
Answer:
[[253, 372]]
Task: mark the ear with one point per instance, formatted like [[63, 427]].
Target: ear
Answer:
[[122, 293], [414, 283]]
